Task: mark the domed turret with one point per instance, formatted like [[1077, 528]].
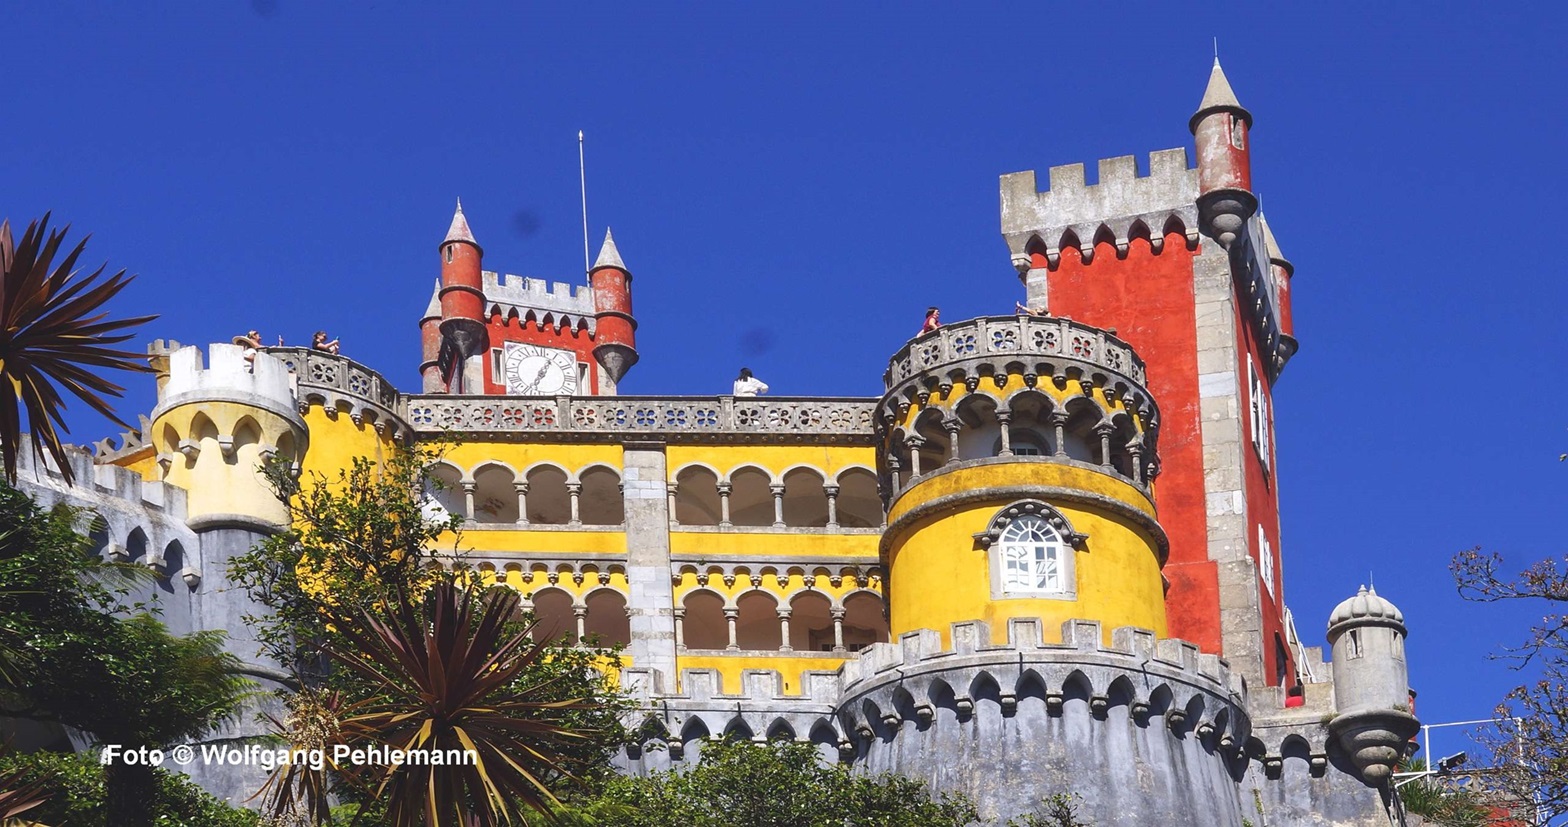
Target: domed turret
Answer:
[[1371, 683]]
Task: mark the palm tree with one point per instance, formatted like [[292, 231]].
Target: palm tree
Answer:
[[447, 668], [53, 333]]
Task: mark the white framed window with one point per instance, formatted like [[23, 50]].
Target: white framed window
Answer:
[[1032, 549], [1258, 415], [1265, 561], [1030, 556]]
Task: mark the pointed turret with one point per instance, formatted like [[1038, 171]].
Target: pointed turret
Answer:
[[459, 230], [462, 296], [1220, 127], [1282, 270], [615, 329], [430, 343], [609, 256]]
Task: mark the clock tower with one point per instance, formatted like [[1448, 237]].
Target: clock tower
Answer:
[[485, 333]]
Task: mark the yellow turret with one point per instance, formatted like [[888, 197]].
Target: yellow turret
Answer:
[[1017, 456]]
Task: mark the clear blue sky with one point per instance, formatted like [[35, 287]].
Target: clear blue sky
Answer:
[[791, 187]]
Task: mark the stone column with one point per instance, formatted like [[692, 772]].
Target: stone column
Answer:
[[952, 426], [655, 625], [838, 628], [784, 631], [522, 502], [581, 614], [778, 504], [1005, 419], [1136, 453], [832, 491], [731, 616], [680, 629], [724, 503], [574, 490], [1104, 432], [673, 488], [468, 498], [915, 443], [1059, 420], [893, 468]]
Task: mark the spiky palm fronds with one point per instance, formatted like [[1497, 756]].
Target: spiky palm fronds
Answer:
[[18, 794], [53, 334], [448, 671]]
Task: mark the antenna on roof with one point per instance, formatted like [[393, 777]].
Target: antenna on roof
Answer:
[[582, 179]]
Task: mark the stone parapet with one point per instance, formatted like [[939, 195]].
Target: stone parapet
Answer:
[[779, 419], [1122, 206], [553, 304], [341, 385], [970, 350]]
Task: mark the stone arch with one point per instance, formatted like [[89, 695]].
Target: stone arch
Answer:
[[444, 485], [935, 446], [495, 494], [1296, 748], [751, 499], [704, 625], [1078, 437], [1123, 433], [136, 546], [695, 731], [811, 622], [1031, 685], [553, 616], [1069, 241], [1160, 702], [1139, 229], [826, 738], [169, 579], [203, 429], [757, 624], [247, 432], [1032, 431], [865, 621], [548, 502], [1192, 713], [805, 499], [738, 730], [984, 689], [859, 503], [98, 540], [607, 618], [1174, 224], [600, 502], [979, 430], [697, 495], [780, 730]]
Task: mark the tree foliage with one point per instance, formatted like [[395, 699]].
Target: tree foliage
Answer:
[[53, 334], [78, 796], [398, 644], [780, 784], [1530, 742]]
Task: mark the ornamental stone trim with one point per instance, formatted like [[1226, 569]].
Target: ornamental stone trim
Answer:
[[986, 345], [338, 383], [673, 418]]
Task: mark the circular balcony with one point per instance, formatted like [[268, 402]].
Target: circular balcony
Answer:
[[1031, 388]]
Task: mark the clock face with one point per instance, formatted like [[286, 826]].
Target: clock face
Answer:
[[531, 370]]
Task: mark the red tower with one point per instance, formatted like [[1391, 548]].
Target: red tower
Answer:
[[463, 332], [1178, 262], [612, 300]]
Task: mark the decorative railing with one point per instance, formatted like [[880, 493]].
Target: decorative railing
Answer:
[[332, 379], [692, 418], [1002, 337]]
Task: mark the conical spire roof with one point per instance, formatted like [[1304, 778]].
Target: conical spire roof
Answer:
[[1271, 247], [459, 230], [433, 310], [609, 256], [1219, 97]]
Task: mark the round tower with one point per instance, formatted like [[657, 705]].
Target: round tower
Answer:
[[462, 295], [1374, 723], [1220, 127], [615, 329], [1017, 458], [1282, 271], [430, 344]]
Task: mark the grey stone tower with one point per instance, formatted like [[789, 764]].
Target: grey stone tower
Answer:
[[1371, 684]]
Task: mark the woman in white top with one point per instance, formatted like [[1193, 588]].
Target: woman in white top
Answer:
[[748, 385]]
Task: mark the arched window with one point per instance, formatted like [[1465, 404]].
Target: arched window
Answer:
[[1032, 549], [1030, 557]]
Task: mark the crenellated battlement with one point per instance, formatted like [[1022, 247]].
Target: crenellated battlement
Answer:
[[265, 382], [1122, 206], [555, 304]]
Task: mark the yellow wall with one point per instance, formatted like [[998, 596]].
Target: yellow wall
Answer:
[[939, 574], [519, 455], [830, 459], [783, 545], [789, 666], [335, 441], [216, 484]]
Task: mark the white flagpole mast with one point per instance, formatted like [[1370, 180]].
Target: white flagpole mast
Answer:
[[582, 179]]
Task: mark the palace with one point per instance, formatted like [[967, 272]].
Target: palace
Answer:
[[1044, 556]]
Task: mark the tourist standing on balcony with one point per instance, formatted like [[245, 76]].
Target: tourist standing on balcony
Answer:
[[748, 385], [933, 320], [1026, 310], [320, 343]]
